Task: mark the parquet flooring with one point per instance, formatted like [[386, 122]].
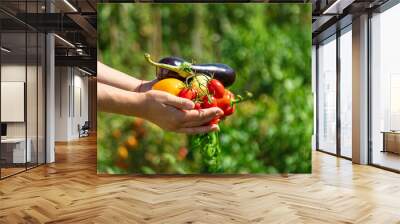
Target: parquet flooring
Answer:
[[70, 191]]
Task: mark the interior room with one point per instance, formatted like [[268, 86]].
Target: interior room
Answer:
[[49, 113], [385, 90], [39, 81], [335, 74]]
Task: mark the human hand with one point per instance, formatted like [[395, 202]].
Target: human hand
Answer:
[[177, 114]]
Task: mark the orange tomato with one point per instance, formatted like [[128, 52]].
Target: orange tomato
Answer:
[[169, 85], [123, 152], [131, 142]]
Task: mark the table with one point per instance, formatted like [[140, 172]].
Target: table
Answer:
[[13, 150], [391, 141]]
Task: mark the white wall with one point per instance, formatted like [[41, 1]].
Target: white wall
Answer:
[[33, 127], [14, 73], [62, 81], [70, 84]]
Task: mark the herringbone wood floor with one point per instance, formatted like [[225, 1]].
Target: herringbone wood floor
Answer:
[[69, 191]]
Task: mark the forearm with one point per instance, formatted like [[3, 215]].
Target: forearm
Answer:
[[115, 100], [115, 78]]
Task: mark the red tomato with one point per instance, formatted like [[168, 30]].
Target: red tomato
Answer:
[[188, 93], [197, 106], [216, 88], [182, 153], [229, 110], [209, 101], [215, 120], [225, 103], [228, 94]]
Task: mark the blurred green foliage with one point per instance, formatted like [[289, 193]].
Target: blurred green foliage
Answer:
[[269, 46]]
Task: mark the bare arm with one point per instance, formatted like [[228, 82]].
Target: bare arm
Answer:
[[115, 78], [163, 109]]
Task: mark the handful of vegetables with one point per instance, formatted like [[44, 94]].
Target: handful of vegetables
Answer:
[[204, 84]]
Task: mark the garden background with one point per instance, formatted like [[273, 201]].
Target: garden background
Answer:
[[269, 46]]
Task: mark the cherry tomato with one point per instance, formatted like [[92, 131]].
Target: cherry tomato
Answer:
[[223, 103], [188, 93], [229, 94], [229, 110], [197, 106], [216, 88], [209, 101], [170, 85], [215, 120], [182, 153]]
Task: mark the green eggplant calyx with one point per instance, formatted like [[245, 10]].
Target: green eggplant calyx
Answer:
[[184, 70]]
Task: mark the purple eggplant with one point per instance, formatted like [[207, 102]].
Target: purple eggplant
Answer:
[[174, 67], [222, 72], [163, 73]]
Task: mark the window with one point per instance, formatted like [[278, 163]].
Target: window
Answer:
[[346, 92], [327, 95], [385, 89]]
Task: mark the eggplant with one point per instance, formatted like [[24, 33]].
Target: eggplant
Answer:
[[163, 73], [175, 67], [221, 72]]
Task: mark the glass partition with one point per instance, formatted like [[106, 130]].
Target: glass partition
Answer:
[[13, 94], [22, 78], [346, 93], [31, 99], [385, 89], [327, 95]]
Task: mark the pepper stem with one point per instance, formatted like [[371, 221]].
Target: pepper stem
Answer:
[[241, 98], [183, 70]]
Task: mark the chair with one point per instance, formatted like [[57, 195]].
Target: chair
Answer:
[[84, 130]]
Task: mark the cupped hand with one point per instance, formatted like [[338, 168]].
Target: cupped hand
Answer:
[[177, 114]]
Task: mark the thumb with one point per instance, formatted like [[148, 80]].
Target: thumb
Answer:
[[179, 102]]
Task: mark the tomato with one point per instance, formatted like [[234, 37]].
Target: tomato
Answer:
[[197, 106], [182, 153], [229, 110], [216, 88], [170, 85], [199, 84], [215, 120], [188, 93], [225, 103], [209, 101], [228, 94]]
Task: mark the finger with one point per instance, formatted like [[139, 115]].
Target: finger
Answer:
[[178, 102], [197, 123], [201, 116], [199, 130]]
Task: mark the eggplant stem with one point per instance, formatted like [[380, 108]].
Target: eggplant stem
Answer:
[[182, 71]]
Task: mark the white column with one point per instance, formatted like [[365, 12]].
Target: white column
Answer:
[[360, 90], [314, 92], [50, 92]]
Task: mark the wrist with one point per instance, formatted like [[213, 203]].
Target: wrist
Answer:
[[145, 86], [137, 104]]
